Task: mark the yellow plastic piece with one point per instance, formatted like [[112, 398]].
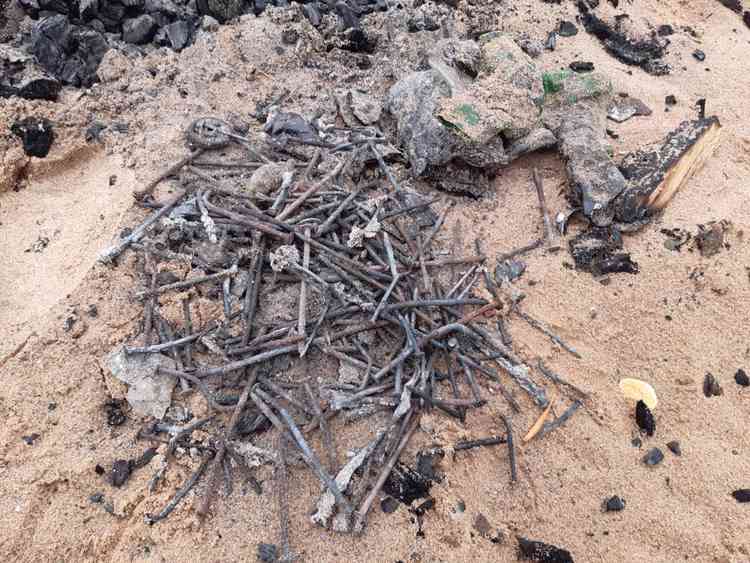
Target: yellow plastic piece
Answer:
[[638, 390]]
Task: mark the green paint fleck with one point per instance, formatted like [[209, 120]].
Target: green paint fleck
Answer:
[[469, 114], [553, 81]]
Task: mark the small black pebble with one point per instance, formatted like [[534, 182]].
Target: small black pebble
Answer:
[[711, 387], [699, 55], [268, 553], [741, 378], [51, 407], [30, 438], [614, 504], [674, 447], [670, 100], [612, 134], [742, 495], [581, 66], [97, 498], [664, 30], [92, 311], [644, 418], [653, 457], [99, 469]]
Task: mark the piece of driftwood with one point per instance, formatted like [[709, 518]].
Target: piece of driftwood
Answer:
[[655, 176]]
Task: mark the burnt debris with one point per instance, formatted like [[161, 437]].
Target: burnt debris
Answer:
[[353, 259], [646, 53], [70, 37], [598, 251]]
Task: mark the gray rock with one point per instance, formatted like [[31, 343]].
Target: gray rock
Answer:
[[532, 47], [623, 108], [456, 118], [140, 30], [209, 23], [574, 109], [509, 271], [149, 392], [364, 107], [674, 447]]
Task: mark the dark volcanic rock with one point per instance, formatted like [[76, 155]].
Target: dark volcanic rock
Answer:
[[741, 495], [139, 30], [542, 552], [37, 135], [222, 10], [20, 76], [69, 52], [111, 15], [357, 41], [644, 418]]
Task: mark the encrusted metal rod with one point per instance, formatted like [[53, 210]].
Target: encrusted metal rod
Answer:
[[188, 283], [261, 399], [107, 256]]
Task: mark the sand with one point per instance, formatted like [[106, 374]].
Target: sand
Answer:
[[682, 316]]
